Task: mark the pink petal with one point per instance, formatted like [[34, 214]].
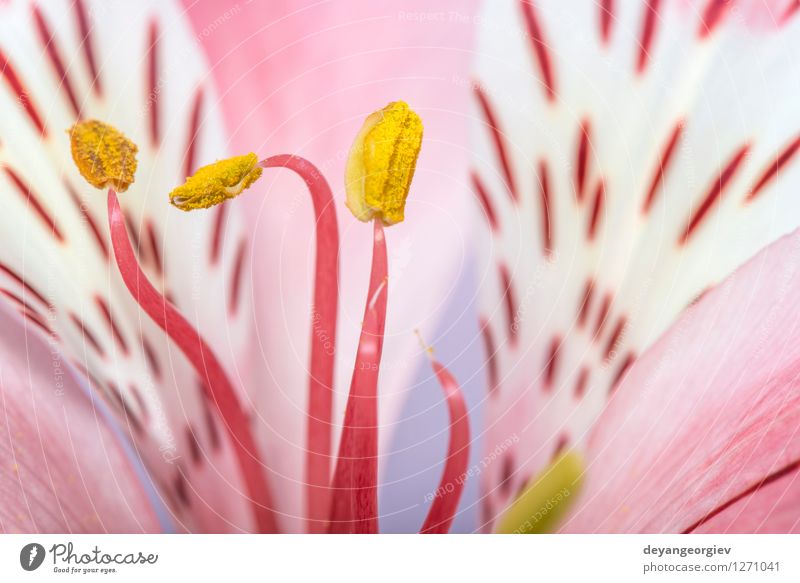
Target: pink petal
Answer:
[[772, 509], [300, 77], [632, 155], [702, 434], [61, 467]]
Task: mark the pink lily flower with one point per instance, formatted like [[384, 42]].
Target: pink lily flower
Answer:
[[630, 155], [110, 427]]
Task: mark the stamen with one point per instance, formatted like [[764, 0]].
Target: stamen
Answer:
[[381, 164], [355, 482], [546, 499], [323, 339], [451, 486], [216, 183], [103, 155], [220, 389]]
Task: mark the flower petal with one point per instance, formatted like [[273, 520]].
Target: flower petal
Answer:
[[63, 470], [705, 424], [632, 154]]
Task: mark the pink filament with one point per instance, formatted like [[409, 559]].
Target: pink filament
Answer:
[[444, 506], [323, 339], [205, 363], [354, 506]]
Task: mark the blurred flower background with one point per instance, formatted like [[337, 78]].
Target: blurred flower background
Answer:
[[590, 170]]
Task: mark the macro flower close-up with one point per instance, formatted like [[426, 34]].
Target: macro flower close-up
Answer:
[[500, 266]]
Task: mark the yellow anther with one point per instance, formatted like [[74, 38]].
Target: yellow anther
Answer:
[[546, 498], [216, 183], [103, 155], [381, 163]]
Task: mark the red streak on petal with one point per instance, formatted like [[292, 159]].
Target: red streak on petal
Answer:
[[26, 286], [194, 130], [791, 10], [510, 303], [139, 401], [506, 474], [544, 199], [216, 238], [602, 315], [87, 44], [152, 359], [181, 490], [498, 137], [699, 296], [87, 334], [38, 322], [451, 486], [202, 359], [772, 171], [491, 356], [22, 97], [614, 339], [784, 471], [26, 309], [152, 238], [581, 381], [122, 406], [551, 366], [648, 32], [93, 227], [623, 368], [712, 16], [134, 234], [586, 302], [485, 200], [153, 89], [606, 19], [236, 277], [194, 446], [597, 207], [663, 163], [539, 47], [487, 514], [582, 157], [354, 506], [48, 41], [323, 339], [714, 194], [115, 331], [561, 445], [31, 198], [211, 425]]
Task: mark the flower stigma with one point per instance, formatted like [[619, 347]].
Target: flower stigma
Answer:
[[216, 183], [381, 164], [105, 157]]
